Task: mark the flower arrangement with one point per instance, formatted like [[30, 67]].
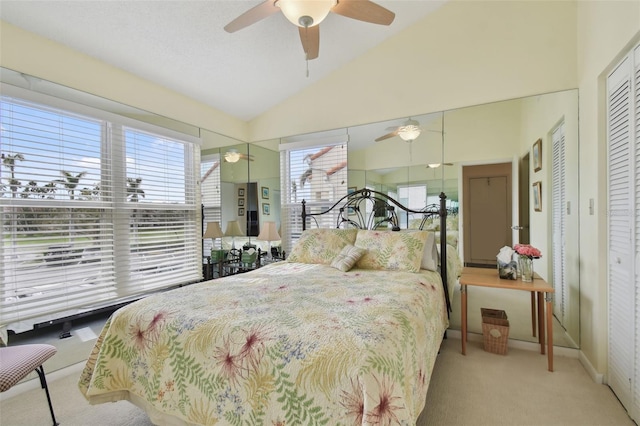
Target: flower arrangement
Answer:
[[527, 250]]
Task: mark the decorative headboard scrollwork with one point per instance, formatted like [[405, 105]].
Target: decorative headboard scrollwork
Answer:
[[369, 209]]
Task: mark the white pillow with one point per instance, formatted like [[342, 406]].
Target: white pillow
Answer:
[[430, 257]]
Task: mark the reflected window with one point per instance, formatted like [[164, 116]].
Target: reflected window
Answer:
[[210, 193], [316, 173]]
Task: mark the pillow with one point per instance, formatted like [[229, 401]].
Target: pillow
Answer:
[[347, 257], [430, 256], [321, 245], [398, 251]]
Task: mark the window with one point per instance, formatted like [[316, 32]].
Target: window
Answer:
[[210, 194], [313, 172], [95, 208]]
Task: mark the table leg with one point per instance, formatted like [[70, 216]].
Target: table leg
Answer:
[[463, 309], [549, 332], [541, 322], [534, 324]]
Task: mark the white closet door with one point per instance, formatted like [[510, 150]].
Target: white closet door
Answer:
[[558, 213], [623, 185], [634, 410]]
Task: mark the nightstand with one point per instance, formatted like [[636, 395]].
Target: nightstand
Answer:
[[488, 277]]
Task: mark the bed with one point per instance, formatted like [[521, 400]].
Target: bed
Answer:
[[319, 339]]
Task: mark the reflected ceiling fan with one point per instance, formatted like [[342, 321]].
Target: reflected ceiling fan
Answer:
[[408, 131], [436, 165], [307, 15], [233, 156]]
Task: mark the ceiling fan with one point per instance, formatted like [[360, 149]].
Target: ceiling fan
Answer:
[[408, 131], [436, 165], [307, 15], [233, 156]]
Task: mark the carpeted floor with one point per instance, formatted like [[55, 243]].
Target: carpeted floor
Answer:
[[477, 389]]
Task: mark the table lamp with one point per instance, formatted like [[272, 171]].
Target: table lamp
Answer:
[[269, 233], [233, 230], [214, 232]]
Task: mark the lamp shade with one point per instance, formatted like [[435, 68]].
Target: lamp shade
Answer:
[[269, 232], [213, 230], [305, 13], [233, 229]]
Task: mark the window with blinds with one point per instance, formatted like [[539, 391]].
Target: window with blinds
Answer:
[[210, 195], [313, 172], [95, 208]]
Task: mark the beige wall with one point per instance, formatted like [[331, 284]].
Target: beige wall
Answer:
[[466, 53], [606, 29]]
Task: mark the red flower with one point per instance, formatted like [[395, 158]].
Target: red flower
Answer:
[[384, 413], [353, 402]]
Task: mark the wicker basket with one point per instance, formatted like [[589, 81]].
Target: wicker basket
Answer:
[[495, 330]]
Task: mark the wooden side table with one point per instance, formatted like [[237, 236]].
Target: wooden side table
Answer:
[[486, 277]]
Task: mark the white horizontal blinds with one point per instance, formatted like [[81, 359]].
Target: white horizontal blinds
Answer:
[[93, 209], [160, 201], [210, 195], [620, 211], [558, 213], [316, 174], [57, 236]]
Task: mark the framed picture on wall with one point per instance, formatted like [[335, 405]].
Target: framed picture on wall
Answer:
[[537, 155], [265, 193], [241, 201], [537, 196], [241, 211], [266, 209], [240, 192]]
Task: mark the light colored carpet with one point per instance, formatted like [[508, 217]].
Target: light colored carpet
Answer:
[[477, 389]]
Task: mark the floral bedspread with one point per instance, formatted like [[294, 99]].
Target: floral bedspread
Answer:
[[289, 343]]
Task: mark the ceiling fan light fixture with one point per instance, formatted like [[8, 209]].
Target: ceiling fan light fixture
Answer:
[[232, 156], [433, 165], [409, 132], [305, 13]]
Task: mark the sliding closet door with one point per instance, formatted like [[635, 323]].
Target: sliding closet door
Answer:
[[559, 210], [623, 119]]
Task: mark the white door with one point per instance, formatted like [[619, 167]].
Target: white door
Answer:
[[623, 118]]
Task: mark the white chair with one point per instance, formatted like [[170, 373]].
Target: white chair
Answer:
[[16, 362]]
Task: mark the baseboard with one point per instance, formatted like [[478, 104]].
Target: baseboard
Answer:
[[34, 383], [593, 373], [518, 344]]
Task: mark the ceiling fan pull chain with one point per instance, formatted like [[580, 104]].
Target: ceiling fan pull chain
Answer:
[[306, 56]]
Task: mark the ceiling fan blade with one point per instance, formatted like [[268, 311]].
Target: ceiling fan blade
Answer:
[[310, 38], [387, 136], [364, 10], [253, 15]]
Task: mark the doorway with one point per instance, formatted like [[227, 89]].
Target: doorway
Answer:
[[487, 212], [524, 236]]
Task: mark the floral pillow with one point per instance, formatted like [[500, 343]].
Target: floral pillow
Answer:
[[347, 257], [399, 251], [321, 245]]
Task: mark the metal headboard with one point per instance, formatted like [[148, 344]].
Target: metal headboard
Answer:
[[369, 209]]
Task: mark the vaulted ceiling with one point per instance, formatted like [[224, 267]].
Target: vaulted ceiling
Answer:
[[182, 45]]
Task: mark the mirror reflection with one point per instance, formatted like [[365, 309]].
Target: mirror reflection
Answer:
[[416, 170]]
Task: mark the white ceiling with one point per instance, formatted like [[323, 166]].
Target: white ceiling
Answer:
[[181, 45]]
